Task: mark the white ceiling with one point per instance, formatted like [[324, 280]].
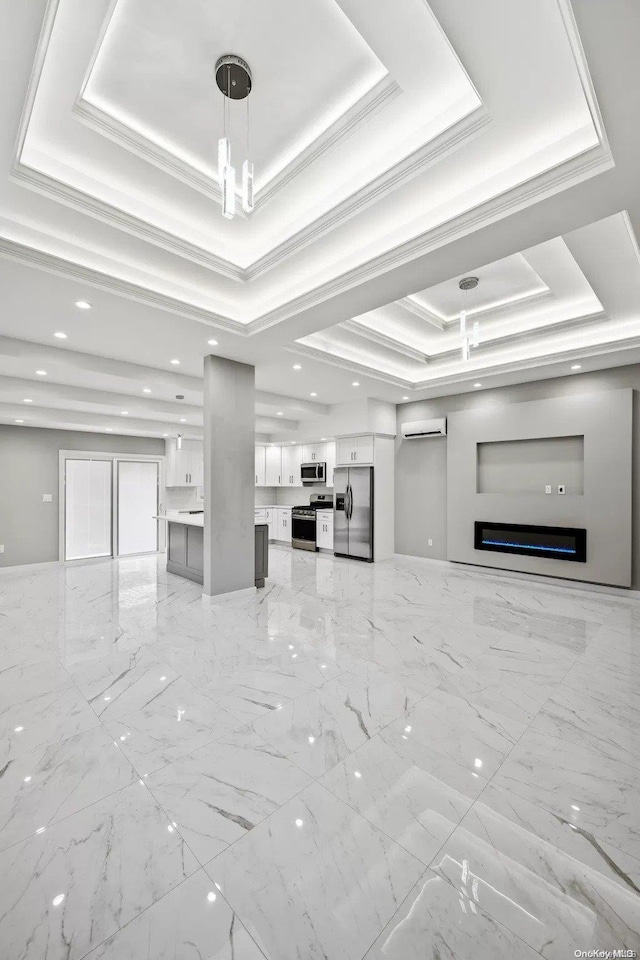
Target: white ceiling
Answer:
[[398, 148]]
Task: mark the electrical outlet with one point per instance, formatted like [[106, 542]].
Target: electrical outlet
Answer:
[[547, 489], [561, 488], [1, 547], [47, 497], [430, 542]]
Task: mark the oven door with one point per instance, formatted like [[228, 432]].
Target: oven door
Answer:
[[303, 533]]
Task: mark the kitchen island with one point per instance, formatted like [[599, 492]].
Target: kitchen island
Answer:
[[185, 547]]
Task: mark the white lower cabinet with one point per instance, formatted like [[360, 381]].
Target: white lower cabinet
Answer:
[[272, 520], [260, 515], [324, 530], [284, 525]]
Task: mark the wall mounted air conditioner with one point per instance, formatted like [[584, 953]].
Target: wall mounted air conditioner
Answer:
[[419, 429]]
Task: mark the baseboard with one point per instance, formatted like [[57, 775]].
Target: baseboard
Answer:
[[24, 567]]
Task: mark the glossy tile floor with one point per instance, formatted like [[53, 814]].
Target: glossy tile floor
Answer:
[[402, 761]]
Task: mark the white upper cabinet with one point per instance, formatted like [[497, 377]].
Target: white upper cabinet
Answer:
[[331, 463], [273, 467], [354, 450], [261, 467], [314, 453], [185, 466], [291, 461]]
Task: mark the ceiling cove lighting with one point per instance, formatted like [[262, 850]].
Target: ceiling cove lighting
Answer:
[[83, 305], [473, 339], [233, 77]]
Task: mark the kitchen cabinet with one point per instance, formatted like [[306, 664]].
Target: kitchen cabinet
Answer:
[[324, 530], [185, 466], [331, 463], [284, 524], [314, 452], [351, 450], [261, 466], [291, 461], [272, 520], [259, 515], [273, 466]]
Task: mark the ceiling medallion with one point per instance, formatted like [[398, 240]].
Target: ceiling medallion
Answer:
[[234, 80], [467, 284]]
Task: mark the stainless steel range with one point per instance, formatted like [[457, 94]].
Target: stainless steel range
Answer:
[[303, 521]]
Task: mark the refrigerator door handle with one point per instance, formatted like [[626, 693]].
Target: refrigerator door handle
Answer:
[[349, 501]]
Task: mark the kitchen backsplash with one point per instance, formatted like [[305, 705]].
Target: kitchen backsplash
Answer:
[[182, 498], [265, 496], [297, 496]]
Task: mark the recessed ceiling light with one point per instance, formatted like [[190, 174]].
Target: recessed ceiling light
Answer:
[[175, 362], [183, 420], [323, 438], [27, 400], [146, 390], [355, 384], [476, 385], [297, 366], [125, 413], [576, 366], [314, 394], [41, 373], [109, 429], [212, 343], [279, 413], [165, 434], [60, 335], [405, 398], [83, 305], [18, 421]]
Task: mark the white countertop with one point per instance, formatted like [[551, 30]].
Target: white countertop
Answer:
[[188, 519]]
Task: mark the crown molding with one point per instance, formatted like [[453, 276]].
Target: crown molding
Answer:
[[22, 253], [361, 330], [135, 226], [418, 310], [407, 169], [378, 97]]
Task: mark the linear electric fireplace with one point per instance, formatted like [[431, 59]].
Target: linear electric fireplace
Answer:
[[558, 543]]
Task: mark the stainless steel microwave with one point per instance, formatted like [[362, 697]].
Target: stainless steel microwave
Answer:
[[313, 472]]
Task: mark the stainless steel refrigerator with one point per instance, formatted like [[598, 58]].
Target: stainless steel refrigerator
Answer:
[[353, 512]]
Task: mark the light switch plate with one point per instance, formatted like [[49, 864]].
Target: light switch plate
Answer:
[[1, 547], [430, 542], [547, 489], [561, 488], [47, 497]]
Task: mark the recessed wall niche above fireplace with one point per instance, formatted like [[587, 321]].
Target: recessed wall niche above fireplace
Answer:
[[556, 543]]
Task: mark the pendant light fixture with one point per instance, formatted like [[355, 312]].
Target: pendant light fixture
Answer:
[[467, 284], [233, 77]]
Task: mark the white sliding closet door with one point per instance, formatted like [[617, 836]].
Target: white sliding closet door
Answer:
[[88, 518], [137, 504]]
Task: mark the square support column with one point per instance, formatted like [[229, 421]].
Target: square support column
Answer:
[[229, 468]]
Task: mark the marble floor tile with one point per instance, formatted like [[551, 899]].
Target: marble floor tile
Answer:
[[340, 878], [126, 682], [611, 727], [544, 896], [27, 725], [28, 681], [412, 795], [174, 723], [445, 710], [559, 775], [67, 889], [193, 921], [316, 731], [436, 922], [221, 791], [470, 735], [49, 784]]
